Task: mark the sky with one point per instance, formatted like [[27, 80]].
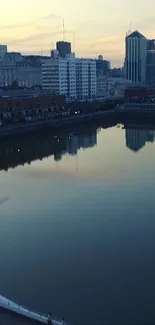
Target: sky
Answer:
[[93, 26]]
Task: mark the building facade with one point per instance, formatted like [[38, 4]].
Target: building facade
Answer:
[[29, 72], [59, 74], [85, 78], [138, 94], [102, 66], [69, 76], [150, 62], [135, 59], [25, 106], [115, 87], [3, 50], [25, 71], [102, 71], [50, 73], [64, 48], [8, 68]]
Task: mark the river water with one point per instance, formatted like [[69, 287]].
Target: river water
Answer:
[[77, 224]]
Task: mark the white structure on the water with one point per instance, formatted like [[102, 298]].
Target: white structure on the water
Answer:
[[20, 310]]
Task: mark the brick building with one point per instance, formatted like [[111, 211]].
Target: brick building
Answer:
[[25, 106], [139, 93]]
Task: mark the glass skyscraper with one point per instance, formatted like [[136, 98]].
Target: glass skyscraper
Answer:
[[135, 58]]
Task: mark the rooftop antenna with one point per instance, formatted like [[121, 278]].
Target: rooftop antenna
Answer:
[[63, 30], [73, 42], [129, 30], [65, 34]]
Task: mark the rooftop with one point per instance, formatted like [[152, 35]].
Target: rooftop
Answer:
[[135, 34]]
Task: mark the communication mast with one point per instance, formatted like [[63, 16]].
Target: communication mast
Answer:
[[74, 41], [63, 30], [129, 30]]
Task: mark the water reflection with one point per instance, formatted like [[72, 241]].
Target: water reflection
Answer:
[[28, 148], [32, 147], [4, 199], [136, 138], [80, 241]]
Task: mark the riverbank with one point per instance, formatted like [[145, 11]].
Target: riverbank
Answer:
[[55, 123], [137, 113], [118, 113]]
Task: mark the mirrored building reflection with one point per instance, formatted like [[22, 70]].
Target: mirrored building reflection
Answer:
[[81, 140], [28, 148], [137, 138]]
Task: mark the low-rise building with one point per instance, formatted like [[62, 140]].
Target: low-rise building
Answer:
[[8, 68], [109, 87], [25, 106], [140, 93], [29, 72], [26, 71]]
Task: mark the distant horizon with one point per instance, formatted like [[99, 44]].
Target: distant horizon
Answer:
[[93, 28]]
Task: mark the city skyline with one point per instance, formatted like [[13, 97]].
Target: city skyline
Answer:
[[92, 27]]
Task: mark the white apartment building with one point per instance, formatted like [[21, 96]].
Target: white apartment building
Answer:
[[75, 78], [59, 74], [85, 78]]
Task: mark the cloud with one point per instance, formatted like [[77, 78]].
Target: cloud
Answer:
[[51, 16], [147, 23], [111, 46], [34, 37], [15, 26], [108, 39]]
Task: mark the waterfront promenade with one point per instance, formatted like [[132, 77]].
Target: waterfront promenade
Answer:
[[54, 123]]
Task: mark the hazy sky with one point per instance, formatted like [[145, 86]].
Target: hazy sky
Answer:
[[99, 25]]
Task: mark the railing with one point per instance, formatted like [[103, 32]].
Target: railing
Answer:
[[20, 310]]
